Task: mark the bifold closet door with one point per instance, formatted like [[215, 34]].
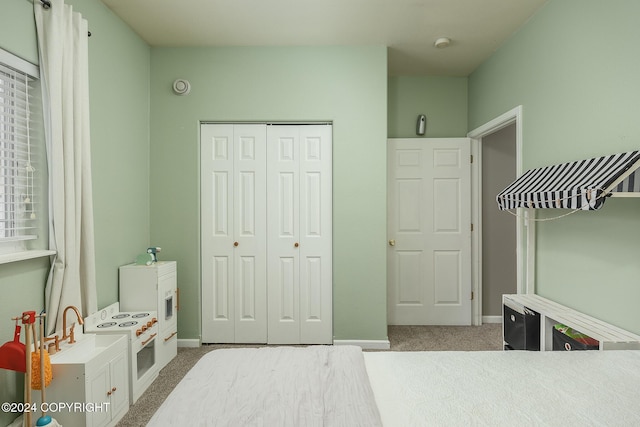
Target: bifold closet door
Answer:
[[233, 233], [299, 234]]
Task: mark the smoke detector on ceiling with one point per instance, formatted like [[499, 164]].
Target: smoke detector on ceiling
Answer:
[[442, 42]]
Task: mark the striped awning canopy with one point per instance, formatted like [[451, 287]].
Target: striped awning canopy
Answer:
[[584, 184]]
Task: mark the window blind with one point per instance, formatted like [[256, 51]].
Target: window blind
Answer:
[[18, 162]]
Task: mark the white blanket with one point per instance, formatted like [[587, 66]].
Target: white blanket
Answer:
[[273, 387], [510, 388]]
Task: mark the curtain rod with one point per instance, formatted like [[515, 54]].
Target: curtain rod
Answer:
[[46, 4]]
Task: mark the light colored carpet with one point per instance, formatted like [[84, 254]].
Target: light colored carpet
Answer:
[[402, 338], [446, 338]]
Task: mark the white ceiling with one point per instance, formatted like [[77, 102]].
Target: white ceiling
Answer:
[[408, 27]]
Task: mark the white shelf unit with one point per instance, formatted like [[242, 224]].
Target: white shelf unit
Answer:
[[610, 337]]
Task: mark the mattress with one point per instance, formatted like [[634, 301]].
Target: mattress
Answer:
[[273, 386], [510, 388]]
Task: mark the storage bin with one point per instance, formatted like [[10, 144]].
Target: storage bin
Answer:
[[521, 328], [568, 339]]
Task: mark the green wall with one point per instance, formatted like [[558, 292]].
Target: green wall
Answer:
[[442, 99], [18, 29], [119, 90], [346, 85], [574, 68]]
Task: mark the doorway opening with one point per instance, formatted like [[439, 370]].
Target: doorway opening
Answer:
[[497, 244]]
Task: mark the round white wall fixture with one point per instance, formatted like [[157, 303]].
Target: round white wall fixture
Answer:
[[442, 42], [181, 87]]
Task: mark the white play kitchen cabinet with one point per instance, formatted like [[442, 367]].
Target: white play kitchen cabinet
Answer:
[[154, 287], [95, 375]]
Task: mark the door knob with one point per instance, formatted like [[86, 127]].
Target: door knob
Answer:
[[235, 243], [296, 244], [392, 242]]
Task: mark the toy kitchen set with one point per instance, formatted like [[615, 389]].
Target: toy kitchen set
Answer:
[[147, 315], [118, 355]]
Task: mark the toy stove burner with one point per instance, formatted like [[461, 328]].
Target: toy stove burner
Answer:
[[106, 325], [139, 315], [128, 324], [124, 320], [120, 316]]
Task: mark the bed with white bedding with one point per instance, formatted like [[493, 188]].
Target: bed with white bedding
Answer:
[[506, 388], [273, 387], [341, 386]]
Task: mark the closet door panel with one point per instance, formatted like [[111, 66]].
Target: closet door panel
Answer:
[[247, 226], [301, 154], [250, 244], [223, 291], [233, 239], [221, 183], [312, 306], [316, 235], [283, 234], [287, 285], [217, 228], [287, 205], [313, 207], [247, 290]]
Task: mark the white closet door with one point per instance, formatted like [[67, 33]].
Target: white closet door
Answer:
[[299, 234], [233, 206]]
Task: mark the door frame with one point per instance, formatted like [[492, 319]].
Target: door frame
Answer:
[[522, 268]]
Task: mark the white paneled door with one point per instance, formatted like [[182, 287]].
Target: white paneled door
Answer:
[[234, 235], [429, 227], [299, 234], [266, 233]]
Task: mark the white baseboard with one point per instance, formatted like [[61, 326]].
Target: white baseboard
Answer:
[[189, 343], [491, 319], [366, 344]]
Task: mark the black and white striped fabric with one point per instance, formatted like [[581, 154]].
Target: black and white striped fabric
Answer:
[[631, 184], [577, 185]]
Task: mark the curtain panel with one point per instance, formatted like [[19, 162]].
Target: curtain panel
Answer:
[[63, 55]]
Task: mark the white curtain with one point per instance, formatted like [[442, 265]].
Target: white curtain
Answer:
[[63, 54]]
